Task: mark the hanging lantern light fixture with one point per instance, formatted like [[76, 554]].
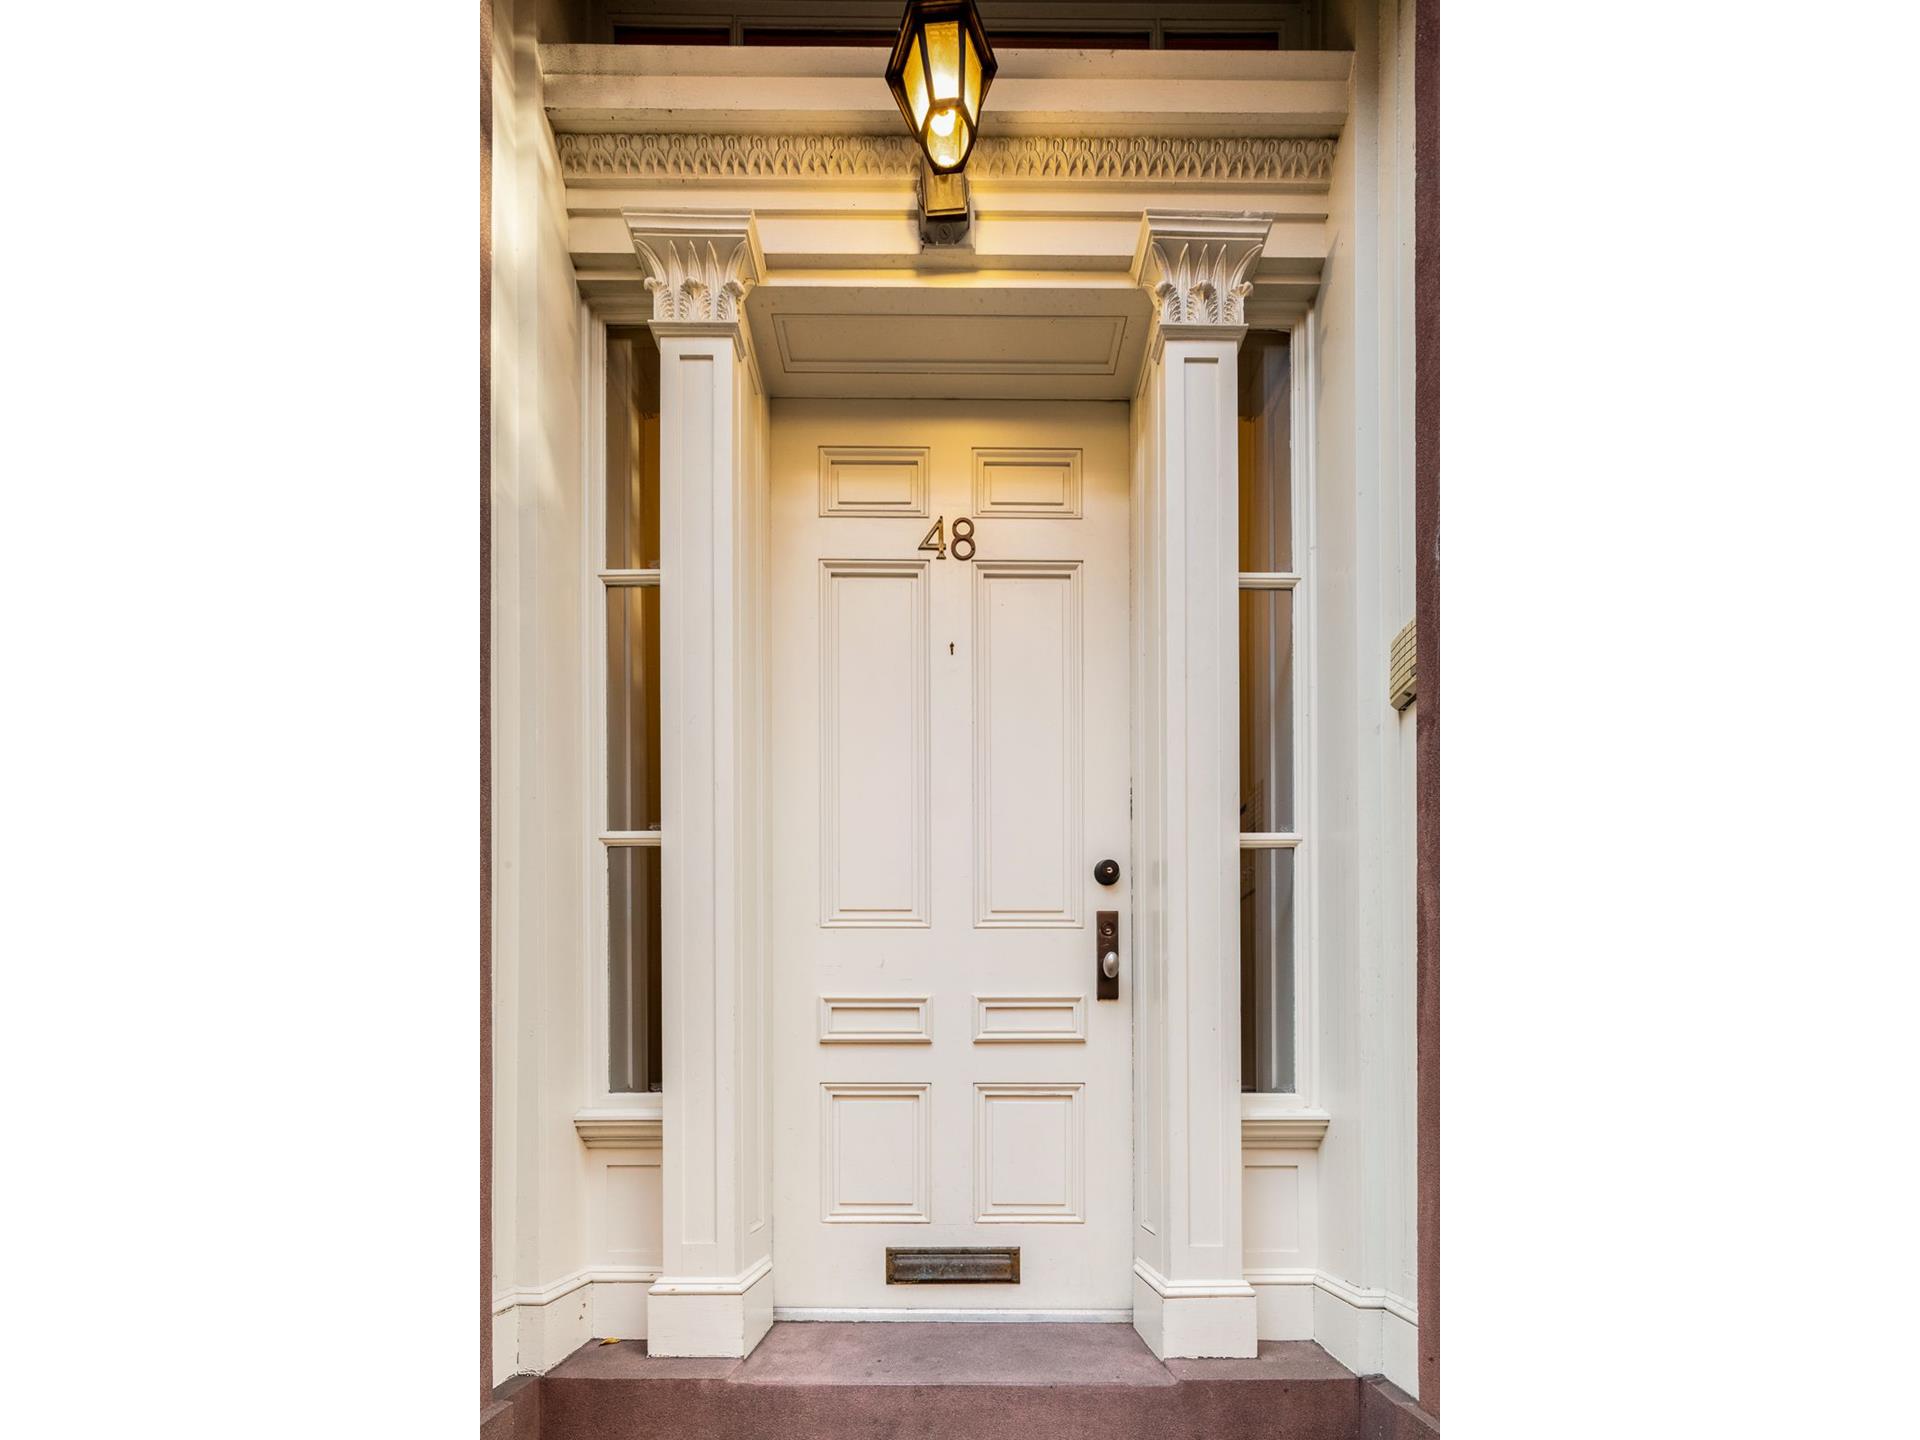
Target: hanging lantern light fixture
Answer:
[[939, 74]]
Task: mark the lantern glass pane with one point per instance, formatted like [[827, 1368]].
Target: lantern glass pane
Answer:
[[972, 96], [943, 57], [947, 150], [915, 80]]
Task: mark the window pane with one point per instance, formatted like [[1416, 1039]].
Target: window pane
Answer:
[[1266, 710], [633, 968], [1266, 453], [1266, 971], [633, 451], [633, 707]]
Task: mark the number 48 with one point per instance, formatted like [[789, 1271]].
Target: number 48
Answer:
[[935, 539]]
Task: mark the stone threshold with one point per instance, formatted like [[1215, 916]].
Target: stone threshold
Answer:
[[834, 1381]]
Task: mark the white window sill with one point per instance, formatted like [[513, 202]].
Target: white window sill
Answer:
[[1275, 1122], [623, 1126]]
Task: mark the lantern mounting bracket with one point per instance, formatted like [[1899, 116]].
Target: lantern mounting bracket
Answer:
[[946, 206]]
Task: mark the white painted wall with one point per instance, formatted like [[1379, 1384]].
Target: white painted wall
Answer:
[[541, 1172], [1364, 1309]]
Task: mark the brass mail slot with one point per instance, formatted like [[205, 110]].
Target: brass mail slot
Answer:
[[972, 1266]]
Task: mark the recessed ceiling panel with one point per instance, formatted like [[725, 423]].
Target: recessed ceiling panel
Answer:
[[950, 344], [1025, 342]]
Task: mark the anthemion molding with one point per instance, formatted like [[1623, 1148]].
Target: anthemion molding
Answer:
[[1149, 158]]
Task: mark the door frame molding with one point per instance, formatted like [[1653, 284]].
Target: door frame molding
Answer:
[[1162, 1290]]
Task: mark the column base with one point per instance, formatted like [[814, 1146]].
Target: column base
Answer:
[[1194, 1319], [694, 1316]]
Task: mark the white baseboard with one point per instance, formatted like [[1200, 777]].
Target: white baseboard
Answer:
[[536, 1327], [1370, 1331]]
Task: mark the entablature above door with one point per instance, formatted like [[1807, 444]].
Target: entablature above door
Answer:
[[1046, 302]]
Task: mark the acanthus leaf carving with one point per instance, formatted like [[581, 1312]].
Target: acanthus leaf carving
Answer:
[[698, 265], [1198, 268]]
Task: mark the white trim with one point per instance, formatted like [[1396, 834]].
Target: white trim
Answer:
[[543, 1295], [629, 838], [1352, 1295], [1365, 1298], [989, 1317], [625, 1127], [1270, 579], [703, 1285], [1190, 1289]]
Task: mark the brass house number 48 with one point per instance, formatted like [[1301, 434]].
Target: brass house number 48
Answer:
[[936, 540]]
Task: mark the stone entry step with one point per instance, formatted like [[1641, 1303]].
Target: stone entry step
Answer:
[[888, 1381]]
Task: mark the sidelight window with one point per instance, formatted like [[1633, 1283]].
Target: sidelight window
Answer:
[[1271, 709], [630, 597]]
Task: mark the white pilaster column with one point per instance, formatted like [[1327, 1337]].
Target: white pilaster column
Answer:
[[715, 1295], [1191, 1297]]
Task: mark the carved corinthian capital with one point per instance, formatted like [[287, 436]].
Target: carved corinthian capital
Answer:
[[699, 263], [1199, 268]]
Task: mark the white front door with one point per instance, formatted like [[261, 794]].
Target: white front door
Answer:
[[950, 764]]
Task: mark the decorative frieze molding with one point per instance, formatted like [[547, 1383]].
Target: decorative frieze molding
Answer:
[[698, 263], [1199, 268], [1254, 160]]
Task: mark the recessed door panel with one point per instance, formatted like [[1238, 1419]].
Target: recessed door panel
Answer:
[[873, 758], [1028, 741]]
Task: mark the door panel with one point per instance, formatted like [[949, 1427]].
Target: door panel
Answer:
[[950, 761]]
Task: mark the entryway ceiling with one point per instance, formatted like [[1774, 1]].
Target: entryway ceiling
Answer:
[[915, 340]]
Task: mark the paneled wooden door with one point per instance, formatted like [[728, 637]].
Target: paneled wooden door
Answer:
[[950, 762]]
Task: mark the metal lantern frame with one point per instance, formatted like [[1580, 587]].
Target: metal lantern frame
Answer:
[[910, 76]]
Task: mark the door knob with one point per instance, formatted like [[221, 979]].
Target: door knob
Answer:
[[1107, 871], [1110, 964]]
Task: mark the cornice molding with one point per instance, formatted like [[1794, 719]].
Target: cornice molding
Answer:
[[698, 263], [1255, 160]]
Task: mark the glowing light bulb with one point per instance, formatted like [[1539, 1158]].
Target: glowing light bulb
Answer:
[[943, 120]]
